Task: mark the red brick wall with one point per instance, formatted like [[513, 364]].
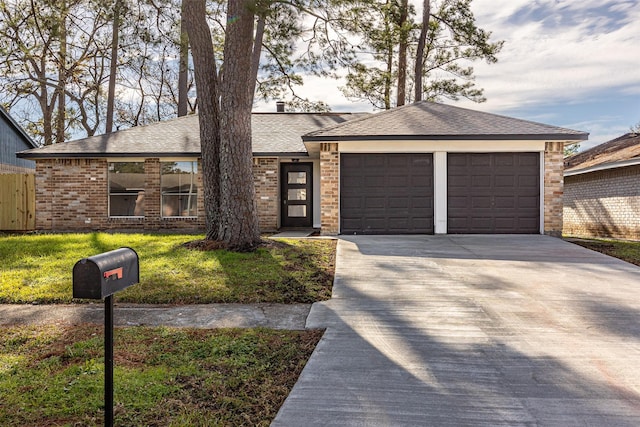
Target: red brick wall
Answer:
[[72, 195], [266, 181], [603, 204]]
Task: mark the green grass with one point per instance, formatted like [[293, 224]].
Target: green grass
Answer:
[[38, 269], [53, 375], [624, 250]]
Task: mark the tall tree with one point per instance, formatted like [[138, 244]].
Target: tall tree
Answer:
[[206, 75], [238, 212], [445, 39]]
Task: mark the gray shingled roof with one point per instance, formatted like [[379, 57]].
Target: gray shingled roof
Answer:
[[622, 149], [273, 133], [428, 120]]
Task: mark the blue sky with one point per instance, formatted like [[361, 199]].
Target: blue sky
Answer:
[[570, 63]]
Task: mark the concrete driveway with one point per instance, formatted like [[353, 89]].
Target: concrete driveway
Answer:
[[473, 330]]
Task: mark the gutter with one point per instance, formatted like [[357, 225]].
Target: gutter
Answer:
[[603, 166]]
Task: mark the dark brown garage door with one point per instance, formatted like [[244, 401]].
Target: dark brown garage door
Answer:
[[493, 193], [386, 193]]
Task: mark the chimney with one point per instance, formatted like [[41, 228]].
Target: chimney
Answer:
[[280, 106]]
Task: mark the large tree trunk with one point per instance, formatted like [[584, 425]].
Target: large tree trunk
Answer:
[[208, 110], [111, 95], [183, 87], [239, 221], [419, 68], [402, 52]]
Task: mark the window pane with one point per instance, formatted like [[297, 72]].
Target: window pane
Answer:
[[179, 205], [126, 189], [179, 188], [297, 211], [296, 177], [297, 194]]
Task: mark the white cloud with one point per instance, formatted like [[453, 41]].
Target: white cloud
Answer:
[[542, 62]]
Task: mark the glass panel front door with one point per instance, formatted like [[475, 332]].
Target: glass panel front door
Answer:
[[296, 209]]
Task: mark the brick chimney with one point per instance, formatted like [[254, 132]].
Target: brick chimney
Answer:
[[280, 106]]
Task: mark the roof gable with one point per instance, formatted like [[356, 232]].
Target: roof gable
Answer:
[[429, 120]]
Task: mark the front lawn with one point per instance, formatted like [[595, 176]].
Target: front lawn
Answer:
[[53, 375], [38, 269], [624, 250]]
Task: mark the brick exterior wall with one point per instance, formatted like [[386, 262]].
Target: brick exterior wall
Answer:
[[266, 180], [553, 188], [73, 195], [329, 188], [603, 204]]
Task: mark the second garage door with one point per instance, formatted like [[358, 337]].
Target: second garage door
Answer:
[[386, 193], [493, 193]]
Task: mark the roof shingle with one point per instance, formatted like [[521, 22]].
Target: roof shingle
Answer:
[[625, 147], [273, 133], [430, 120]]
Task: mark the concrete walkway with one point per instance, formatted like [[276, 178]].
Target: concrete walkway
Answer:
[[275, 316], [473, 330]]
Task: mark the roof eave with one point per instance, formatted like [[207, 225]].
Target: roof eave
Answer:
[[30, 154], [36, 155], [566, 138], [603, 166]]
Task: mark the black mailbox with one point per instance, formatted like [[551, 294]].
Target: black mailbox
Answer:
[[104, 274]]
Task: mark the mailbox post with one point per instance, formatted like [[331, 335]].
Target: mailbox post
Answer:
[[99, 277]]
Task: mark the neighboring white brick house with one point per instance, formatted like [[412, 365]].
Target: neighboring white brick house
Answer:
[[602, 190]]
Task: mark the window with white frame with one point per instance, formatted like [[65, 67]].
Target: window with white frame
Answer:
[[126, 189], [179, 189]]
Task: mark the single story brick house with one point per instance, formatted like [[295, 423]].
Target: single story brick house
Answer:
[[602, 190], [423, 168], [13, 138]]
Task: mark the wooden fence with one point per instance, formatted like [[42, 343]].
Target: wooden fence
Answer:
[[17, 202]]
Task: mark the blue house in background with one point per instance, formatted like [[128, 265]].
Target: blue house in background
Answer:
[[13, 139]]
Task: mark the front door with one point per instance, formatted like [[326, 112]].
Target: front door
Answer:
[[297, 208]]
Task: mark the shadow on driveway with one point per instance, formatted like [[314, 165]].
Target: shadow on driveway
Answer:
[[472, 330]]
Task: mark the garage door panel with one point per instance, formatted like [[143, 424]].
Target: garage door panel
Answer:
[[373, 162], [374, 202], [479, 181], [505, 202], [494, 193], [531, 202], [531, 182], [529, 159], [395, 193], [396, 181], [504, 160], [458, 181], [481, 202], [504, 181], [422, 203], [398, 202], [478, 161]]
